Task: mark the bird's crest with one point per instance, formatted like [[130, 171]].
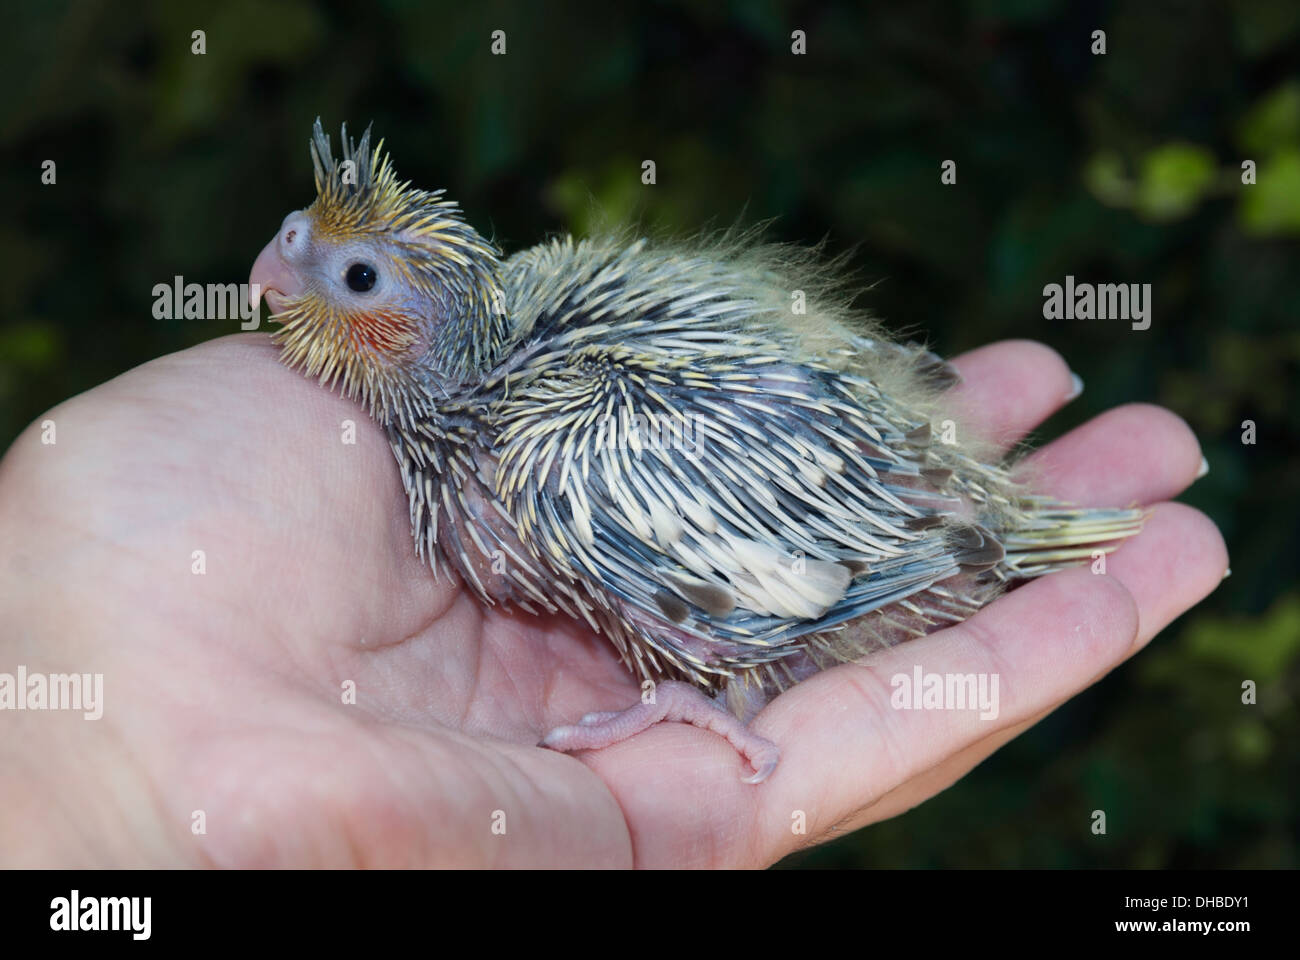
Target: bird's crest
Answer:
[[360, 193]]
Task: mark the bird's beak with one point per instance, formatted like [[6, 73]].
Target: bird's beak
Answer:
[[273, 276]]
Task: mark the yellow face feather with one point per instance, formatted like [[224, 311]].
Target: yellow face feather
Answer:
[[429, 319]]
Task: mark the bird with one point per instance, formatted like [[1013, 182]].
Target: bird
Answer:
[[698, 448]]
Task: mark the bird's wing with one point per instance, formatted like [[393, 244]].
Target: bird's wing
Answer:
[[691, 473]]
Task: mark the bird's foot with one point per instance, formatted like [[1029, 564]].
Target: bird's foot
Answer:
[[668, 701]]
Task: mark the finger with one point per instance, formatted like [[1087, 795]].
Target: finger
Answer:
[[1168, 570], [1176, 562], [1031, 650], [931, 782], [1133, 454], [1008, 388]]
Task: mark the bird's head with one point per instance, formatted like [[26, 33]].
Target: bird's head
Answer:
[[380, 286]]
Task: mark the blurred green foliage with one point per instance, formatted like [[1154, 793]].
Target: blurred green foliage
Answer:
[[1125, 168]]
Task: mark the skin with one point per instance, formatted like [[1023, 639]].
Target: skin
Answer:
[[223, 692]]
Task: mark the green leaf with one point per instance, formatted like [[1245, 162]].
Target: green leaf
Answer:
[[1271, 206], [1258, 649], [1104, 176], [1272, 123], [1173, 180]]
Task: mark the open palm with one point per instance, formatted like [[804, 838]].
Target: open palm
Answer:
[[315, 697]]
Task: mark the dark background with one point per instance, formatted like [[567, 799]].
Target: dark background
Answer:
[[1122, 168]]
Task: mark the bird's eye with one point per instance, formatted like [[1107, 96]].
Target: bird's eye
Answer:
[[361, 277]]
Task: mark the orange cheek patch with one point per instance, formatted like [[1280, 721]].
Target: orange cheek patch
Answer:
[[381, 330]]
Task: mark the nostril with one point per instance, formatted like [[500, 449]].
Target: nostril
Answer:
[[295, 235]]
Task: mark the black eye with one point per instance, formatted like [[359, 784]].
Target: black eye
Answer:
[[361, 277]]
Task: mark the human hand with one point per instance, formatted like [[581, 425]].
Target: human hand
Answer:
[[225, 692]]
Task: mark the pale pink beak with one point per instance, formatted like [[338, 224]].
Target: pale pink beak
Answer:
[[275, 272]]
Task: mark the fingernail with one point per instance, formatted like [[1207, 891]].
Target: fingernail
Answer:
[[1226, 574], [1205, 468], [1076, 386]]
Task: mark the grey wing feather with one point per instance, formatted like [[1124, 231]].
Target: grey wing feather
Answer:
[[681, 465]]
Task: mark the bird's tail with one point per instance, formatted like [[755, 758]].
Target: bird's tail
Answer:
[[1048, 535]]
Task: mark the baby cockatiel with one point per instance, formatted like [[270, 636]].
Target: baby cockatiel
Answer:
[[695, 449]]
